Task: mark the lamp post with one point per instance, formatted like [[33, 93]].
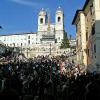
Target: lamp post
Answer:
[[27, 52], [50, 48], [21, 48]]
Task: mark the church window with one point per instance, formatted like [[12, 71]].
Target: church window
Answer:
[[14, 44], [28, 41], [41, 20], [59, 19], [88, 52], [58, 38], [93, 29], [28, 37], [86, 36], [21, 44], [94, 48], [91, 9]]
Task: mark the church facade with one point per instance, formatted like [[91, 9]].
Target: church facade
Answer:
[[46, 29], [48, 37]]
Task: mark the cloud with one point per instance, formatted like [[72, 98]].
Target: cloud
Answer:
[[25, 2]]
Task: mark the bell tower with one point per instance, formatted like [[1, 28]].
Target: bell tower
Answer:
[[59, 25], [41, 19], [59, 18]]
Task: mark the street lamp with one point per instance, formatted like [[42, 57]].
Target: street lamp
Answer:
[[21, 48], [27, 52], [50, 48]]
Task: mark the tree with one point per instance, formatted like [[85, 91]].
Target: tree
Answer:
[[65, 42]]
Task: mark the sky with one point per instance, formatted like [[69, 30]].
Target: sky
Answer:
[[18, 16]]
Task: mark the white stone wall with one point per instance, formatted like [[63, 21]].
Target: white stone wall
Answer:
[[59, 14], [18, 40], [59, 26], [96, 37], [97, 9], [59, 36], [83, 38]]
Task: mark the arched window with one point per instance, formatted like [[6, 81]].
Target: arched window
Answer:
[[59, 19], [28, 41], [14, 44], [41, 20], [21, 44], [28, 37]]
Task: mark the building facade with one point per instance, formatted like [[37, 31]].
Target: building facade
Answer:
[[48, 36], [19, 40], [80, 37], [87, 23], [47, 29]]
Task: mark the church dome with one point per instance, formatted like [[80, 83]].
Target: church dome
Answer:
[[42, 12], [59, 10]]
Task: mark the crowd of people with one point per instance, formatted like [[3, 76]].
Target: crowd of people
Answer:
[[47, 78]]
